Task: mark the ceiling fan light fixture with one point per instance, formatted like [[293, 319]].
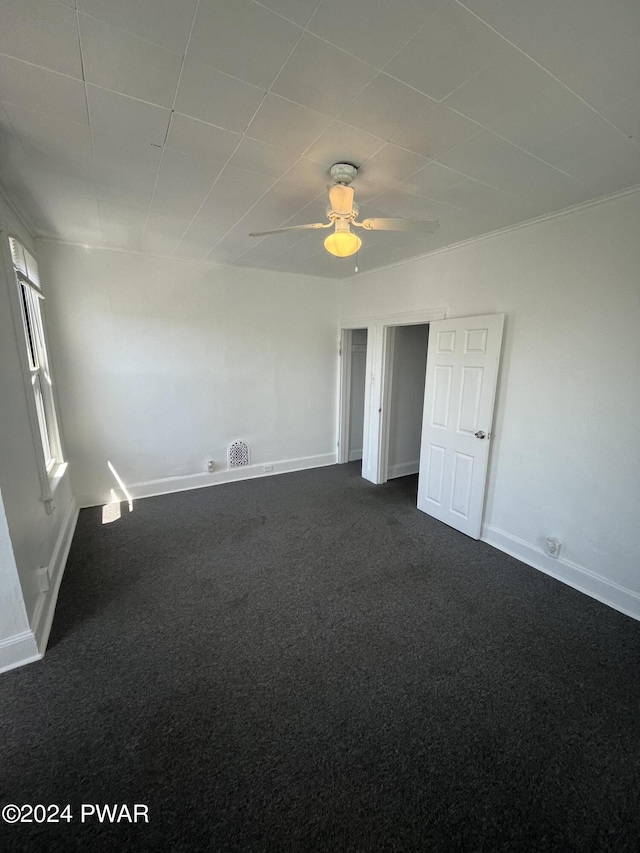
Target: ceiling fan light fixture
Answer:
[[343, 242]]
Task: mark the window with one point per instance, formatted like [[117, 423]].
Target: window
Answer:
[[30, 296]]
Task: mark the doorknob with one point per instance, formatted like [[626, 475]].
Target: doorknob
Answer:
[[480, 434]]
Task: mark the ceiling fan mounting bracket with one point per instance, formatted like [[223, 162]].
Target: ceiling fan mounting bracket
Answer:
[[343, 173], [349, 217]]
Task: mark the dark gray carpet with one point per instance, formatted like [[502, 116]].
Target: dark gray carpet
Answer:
[[308, 663]]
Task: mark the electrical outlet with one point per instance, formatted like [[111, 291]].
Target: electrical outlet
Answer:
[[211, 465], [553, 546], [267, 468]]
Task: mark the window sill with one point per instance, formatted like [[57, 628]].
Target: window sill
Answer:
[[54, 478], [56, 475]]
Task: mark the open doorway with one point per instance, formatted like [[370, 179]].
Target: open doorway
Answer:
[[356, 407], [354, 365], [403, 399], [378, 357], [447, 368]]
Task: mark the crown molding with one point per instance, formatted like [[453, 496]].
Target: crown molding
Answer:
[[506, 230]]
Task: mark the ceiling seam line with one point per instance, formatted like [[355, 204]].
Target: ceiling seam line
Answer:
[[86, 102], [127, 32], [301, 156], [192, 220], [23, 217], [402, 47], [284, 17], [539, 159], [546, 70], [42, 67], [342, 50], [171, 112], [124, 95], [302, 31], [269, 91]]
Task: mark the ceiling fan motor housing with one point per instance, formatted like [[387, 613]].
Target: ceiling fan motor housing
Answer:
[[343, 173]]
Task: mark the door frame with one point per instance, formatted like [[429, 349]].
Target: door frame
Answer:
[[386, 390], [378, 377], [388, 332], [346, 330]]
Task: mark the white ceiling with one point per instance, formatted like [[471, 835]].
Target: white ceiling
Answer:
[[178, 126]]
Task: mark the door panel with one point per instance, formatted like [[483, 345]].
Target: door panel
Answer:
[[441, 395], [472, 381], [462, 372], [461, 487], [435, 474]]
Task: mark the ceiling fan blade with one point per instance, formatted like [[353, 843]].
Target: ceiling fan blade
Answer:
[[341, 198], [291, 228], [426, 226]]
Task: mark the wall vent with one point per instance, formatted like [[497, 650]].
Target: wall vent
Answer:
[[238, 454]]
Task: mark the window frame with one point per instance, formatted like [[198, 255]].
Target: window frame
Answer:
[[26, 299]]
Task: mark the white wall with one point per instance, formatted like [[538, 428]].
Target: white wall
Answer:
[[13, 614], [163, 363], [356, 405], [406, 399], [35, 538], [565, 454]]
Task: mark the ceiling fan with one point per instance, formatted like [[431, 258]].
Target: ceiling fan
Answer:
[[342, 212]]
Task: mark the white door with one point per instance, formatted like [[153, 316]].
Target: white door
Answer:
[[462, 371]]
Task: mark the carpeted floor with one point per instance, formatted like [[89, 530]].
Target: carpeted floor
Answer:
[[307, 663]]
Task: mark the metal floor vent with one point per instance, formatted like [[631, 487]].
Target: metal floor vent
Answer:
[[238, 454]]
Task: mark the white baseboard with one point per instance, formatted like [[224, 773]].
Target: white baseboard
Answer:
[[168, 485], [403, 469], [606, 591], [30, 646], [355, 455], [42, 617], [18, 650]]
